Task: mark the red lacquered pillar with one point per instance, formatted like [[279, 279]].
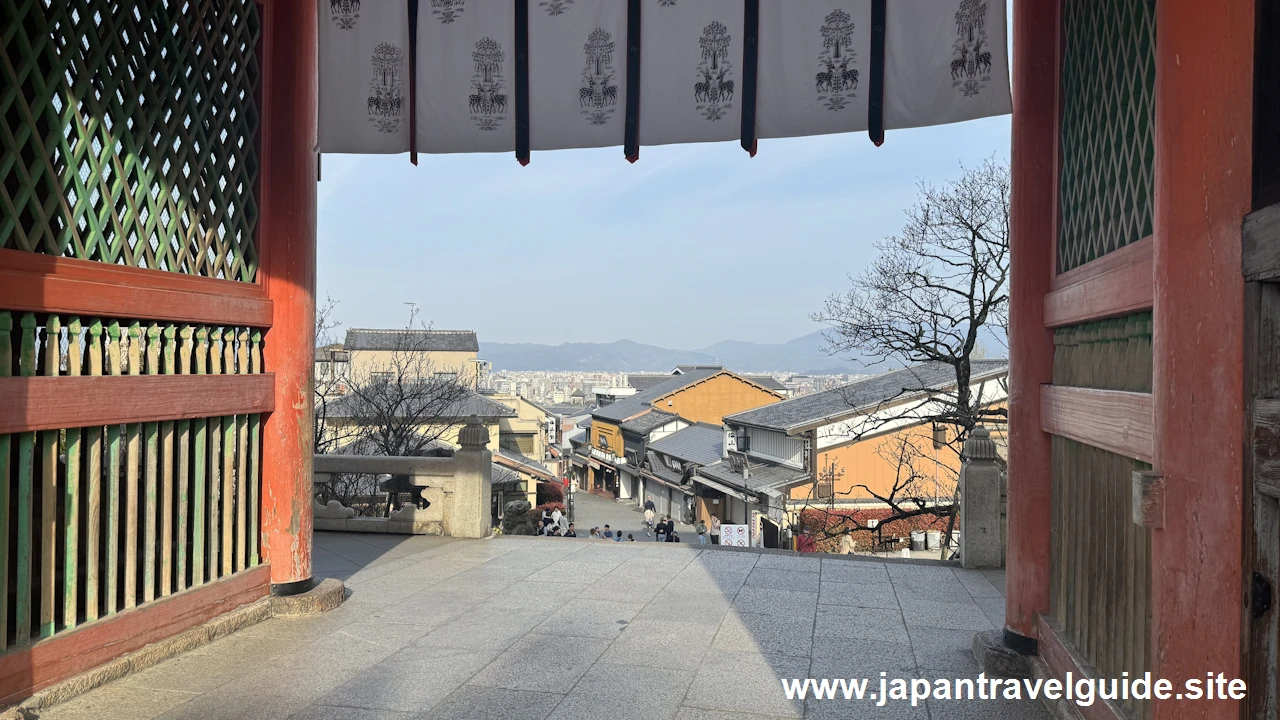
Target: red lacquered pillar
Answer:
[[1033, 221], [288, 233], [1204, 131]]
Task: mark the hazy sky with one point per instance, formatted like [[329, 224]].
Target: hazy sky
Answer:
[[691, 245]]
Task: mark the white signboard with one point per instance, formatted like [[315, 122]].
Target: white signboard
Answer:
[[735, 536]]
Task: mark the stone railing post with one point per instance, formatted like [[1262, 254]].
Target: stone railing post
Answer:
[[472, 482], [981, 543]]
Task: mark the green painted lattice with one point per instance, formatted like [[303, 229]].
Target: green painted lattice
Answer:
[[1108, 127], [128, 132], [1112, 354]]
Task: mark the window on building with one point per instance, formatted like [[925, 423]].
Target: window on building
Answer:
[[604, 441], [380, 377], [447, 376], [825, 489]]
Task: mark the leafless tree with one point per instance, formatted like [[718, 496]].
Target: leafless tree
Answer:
[[397, 406], [330, 382], [921, 486], [934, 292]]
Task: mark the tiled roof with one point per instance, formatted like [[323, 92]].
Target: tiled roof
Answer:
[[634, 405], [502, 477], [767, 381], [366, 446], [528, 464], [862, 395], [648, 422], [644, 381], [568, 411], [467, 404], [687, 368], [422, 340], [657, 469], [762, 477], [701, 444]]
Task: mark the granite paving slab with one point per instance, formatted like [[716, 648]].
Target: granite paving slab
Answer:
[[558, 628]]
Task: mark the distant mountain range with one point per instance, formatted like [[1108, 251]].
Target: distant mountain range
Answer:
[[802, 355]]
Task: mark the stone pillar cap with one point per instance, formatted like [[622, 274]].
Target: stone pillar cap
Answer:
[[474, 434], [979, 445]]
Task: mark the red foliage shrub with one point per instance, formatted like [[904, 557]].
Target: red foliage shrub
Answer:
[[549, 492], [535, 514], [823, 528]]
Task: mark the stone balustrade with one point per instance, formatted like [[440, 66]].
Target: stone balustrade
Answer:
[[457, 490]]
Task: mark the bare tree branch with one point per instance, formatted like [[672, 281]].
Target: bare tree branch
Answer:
[[934, 292], [397, 406]]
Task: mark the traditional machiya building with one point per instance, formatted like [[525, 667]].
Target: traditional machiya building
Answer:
[[667, 472], [705, 394], [871, 436], [158, 192], [345, 414], [527, 432], [452, 354]]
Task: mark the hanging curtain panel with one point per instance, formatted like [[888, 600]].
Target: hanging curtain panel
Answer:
[[364, 76], [577, 73], [466, 76], [691, 71], [814, 65], [945, 61]]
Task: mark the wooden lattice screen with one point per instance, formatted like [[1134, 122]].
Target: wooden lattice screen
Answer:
[[131, 398], [130, 132], [1107, 133]]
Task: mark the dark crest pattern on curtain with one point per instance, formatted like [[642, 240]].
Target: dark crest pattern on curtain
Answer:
[[386, 96], [345, 13], [555, 7], [446, 11], [714, 90], [489, 101], [971, 63], [837, 80], [599, 93]]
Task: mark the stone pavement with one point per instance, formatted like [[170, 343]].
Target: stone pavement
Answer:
[[594, 511], [562, 628]]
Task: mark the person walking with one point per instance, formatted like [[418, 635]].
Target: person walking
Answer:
[[715, 529], [702, 531], [648, 516]]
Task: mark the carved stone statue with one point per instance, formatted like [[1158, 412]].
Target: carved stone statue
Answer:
[[515, 518]]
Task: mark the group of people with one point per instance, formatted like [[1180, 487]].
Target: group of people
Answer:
[[608, 533], [556, 524], [665, 529]]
